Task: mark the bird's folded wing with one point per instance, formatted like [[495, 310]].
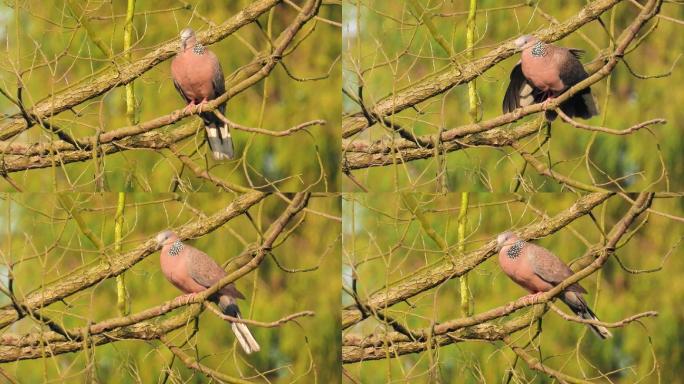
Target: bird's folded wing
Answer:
[[206, 272], [571, 71], [217, 79], [517, 82], [550, 268]]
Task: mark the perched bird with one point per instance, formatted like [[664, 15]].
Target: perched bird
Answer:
[[198, 77], [538, 270], [544, 72], [192, 271]]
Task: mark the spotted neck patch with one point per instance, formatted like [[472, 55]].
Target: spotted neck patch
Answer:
[[539, 49], [198, 49], [514, 250], [176, 247]]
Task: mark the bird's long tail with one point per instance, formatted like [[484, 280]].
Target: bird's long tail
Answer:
[[245, 338], [242, 333], [589, 103], [220, 141], [576, 303], [581, 104]]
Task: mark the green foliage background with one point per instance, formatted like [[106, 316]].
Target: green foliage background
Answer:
[[42, 30], [43, 243], [383, 38], [385, 243]]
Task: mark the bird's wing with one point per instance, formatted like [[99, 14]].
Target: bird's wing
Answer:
[[517, 81], [217, 79], [178, 61], [550, 268], [571, 71], [578, 53], [180, 91], [206, 271]]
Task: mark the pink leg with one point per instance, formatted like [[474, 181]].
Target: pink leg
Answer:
[[549, 98], [199, 106], [190, 106]]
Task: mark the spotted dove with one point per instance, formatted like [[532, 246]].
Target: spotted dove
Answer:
[[538, 270], [198, 77], [544, 72], [192, 271]]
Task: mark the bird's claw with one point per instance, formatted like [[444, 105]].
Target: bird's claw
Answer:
[[189, 107], [201, 105], [195, 108]]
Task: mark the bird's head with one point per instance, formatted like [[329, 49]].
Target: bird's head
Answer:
[[166, 237], [525, 41], [187, 38], [504, 239]]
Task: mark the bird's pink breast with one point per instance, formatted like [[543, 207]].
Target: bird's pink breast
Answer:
[[542, 72], [194, 73], [176, 271], [520, 270]]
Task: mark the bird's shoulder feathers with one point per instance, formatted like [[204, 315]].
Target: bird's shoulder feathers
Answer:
[[549, 267], [206, 271]]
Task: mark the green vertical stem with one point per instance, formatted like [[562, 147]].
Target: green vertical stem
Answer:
[[470, 43], [466, 302], [130, 94], [122, 302]]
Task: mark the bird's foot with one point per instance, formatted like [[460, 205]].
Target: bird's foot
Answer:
[[190, 107], [545, 103], [529, 299], [201, 105]]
